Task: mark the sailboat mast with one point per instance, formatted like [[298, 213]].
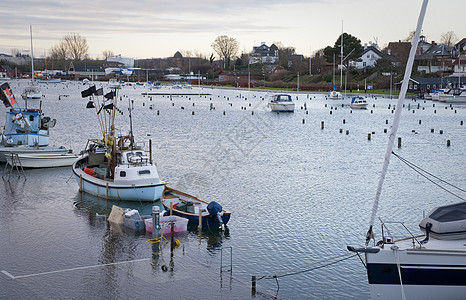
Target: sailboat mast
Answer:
[[341, 57], [396, 119], [32, 55]]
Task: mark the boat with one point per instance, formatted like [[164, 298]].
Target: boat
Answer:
[[115, 167], [180, 224], [281, 103], [39, 160], [189, 207], [26, 130], [453, 95], [334, 95], [431, 265], [113, 83], [32, 92], [177, 85], [358, 102], [49, 80]]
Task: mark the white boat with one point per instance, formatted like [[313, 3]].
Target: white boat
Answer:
[[39, 160], [177, 85], [49, 80], [358, 102], [113, 84], [453, 95], [116, 167], [26, 130], [33, 91], [281, 103], [426, 266], [334, 95]]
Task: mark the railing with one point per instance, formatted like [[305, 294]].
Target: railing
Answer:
[[385, 239]]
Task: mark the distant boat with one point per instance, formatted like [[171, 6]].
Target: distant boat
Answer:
[[32, 91], [189, 207], [334, 95], [113, 84], [454, 95], [49, 80], [281, 103], [358, 102], [40, 160]]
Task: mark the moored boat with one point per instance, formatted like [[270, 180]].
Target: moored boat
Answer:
[[190, 207], [281, 103], [358, 102], [39, 160]]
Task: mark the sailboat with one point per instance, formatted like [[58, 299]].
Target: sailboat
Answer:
[[115, 167], [32, 92], [334, 94], [429, 266]]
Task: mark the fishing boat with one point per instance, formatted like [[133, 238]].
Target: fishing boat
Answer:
[[26, 130], [281, 103], [431, 265], [39, 160], [115, 167], [189, 207], [358, 102]]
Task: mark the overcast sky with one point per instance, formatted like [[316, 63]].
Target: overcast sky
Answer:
[[159, 28]]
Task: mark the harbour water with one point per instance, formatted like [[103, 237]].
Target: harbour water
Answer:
[[299, 194]]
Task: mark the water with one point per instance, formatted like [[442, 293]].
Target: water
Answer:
[[299, 194]]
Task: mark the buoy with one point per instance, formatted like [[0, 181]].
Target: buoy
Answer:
[[399, 142], [322, 124], [369, 136], [441, 131], [448, 143], [304, 121]]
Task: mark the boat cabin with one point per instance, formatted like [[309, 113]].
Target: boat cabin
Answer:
[[448, 222], [281, 97]]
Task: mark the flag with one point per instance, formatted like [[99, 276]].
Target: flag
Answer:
[[108, 106], [110, 95], [99, 92], [6, 95], [90, 104], [88, 92]]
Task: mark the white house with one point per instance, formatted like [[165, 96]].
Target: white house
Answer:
[[126, 61], [370, 55], [264, 54]]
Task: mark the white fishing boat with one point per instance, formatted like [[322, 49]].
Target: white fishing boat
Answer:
[[281, 103], [425, 266], [115, 167], [39, 160], [26, 130], [358, 102]]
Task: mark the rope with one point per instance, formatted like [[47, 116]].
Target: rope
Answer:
[[419, 170], [286, 273], [395, 250]]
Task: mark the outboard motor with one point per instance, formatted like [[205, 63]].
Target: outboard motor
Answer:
[[214, 209]]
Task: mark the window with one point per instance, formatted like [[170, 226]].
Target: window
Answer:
[[428, 86], [31, 118], [122, 174], [415, 86], [143, 172]]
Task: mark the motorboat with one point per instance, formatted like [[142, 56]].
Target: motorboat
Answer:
[[26, 130], [453, 95], [113, 83], [115, 167], [431, 265], [32, 92], [190, 207], [39, 160], [281, 103], [358, 102]]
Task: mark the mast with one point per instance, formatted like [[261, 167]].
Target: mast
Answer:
[[396, 119], [341, 57], [32, 55]]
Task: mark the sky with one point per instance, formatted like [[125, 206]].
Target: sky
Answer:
[[159, 28]]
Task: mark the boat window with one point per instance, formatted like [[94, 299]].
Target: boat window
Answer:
[[122, 174], [143, 172]]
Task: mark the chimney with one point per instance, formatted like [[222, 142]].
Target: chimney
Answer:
[[399, 41], [433, 43]]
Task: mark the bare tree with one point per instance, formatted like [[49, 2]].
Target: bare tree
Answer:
[[410, 37], [448, 38], [59, 51], [107, 54], [226, 47], [76, 45]]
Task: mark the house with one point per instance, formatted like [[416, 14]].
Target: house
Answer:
[[264, 54], [437, 58], [126, 61], [427, 85], [459, 65], [400, 50], [370, 55]]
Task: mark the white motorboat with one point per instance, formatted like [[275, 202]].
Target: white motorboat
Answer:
[[358, 102], [454, 95], [113, 83], [281, 103], [334, 95], [116, 167], [26, 130], [35, 160], [426, 266]]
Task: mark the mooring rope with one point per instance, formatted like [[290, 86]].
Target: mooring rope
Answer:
[[421, 172], [294, 271]]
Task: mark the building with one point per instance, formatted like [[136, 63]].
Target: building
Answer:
[[370, 55], [125, 61], [427, 85], [400, 50], [437, 58], [264, 54]]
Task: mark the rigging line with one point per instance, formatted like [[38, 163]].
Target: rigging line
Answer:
[[435, 183], [307, 270], [436, 177]]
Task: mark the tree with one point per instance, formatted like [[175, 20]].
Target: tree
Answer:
[[351, 44], [226, 47], [410, 37], [448, 38], [107, 54], [59, 51], [76, 45]]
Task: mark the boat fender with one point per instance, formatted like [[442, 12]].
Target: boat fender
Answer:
[[90, 172]]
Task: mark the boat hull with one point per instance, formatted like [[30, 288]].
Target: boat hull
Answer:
[[109, 190], [27, 150], [358, 106], [42, 160], [282, 107], [426, 274]]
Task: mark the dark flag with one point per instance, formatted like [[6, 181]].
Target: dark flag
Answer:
[[90, 104], [108, 106], [99, 92], [110, 95], [89, 92], [6, 95]]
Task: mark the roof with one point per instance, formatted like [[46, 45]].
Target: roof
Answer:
[[437, 50]]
